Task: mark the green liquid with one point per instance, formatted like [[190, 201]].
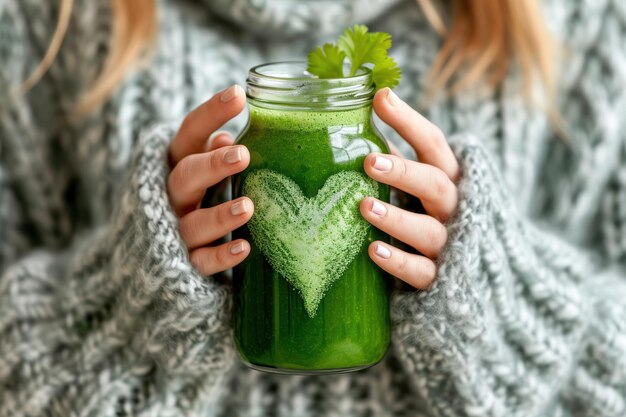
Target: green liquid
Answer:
[[350, 327]]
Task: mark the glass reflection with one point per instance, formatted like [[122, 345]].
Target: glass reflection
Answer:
[[347, 143]]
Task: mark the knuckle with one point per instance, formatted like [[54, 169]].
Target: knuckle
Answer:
[[435, 144], [182, 173], [441, 184], [188, 226], [421, 270], [436, 136], [442, 235], [212, 160], [222, 216], [199, 259], [429, 233], [403, 264], [435, 233], [425, 273], [397, 216], [221, 256], [402, 170]]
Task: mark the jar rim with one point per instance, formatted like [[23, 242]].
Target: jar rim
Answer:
[[363, 76], [288, 85]]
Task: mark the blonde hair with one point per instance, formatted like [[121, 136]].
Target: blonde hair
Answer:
[[484, 40], [132, 39]]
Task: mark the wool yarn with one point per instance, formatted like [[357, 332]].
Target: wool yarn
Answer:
[[101, 313]]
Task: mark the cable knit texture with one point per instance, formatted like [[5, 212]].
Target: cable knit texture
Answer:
[[101, 313]]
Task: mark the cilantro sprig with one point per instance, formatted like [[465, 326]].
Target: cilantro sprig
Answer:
[[362, 49]]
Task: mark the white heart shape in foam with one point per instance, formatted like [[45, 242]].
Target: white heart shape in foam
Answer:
[[309, 241]]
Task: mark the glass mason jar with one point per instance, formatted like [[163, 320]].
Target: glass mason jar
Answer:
[[308, 299]]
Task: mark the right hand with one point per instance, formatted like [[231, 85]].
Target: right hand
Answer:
[[201, 157]]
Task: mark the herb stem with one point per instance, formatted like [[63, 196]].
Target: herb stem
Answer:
[[361, 48], [353, 69]]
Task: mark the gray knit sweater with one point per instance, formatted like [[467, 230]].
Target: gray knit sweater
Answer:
[[101, 313]]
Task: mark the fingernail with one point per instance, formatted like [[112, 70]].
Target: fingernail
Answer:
[[230, 93], [382, 251], [237, 248], [392, 98], [240, 207], [378, 208], [233, 155], [382, 164]]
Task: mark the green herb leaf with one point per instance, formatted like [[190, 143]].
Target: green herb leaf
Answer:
[[362, 49], [386, 73], [327, 61]]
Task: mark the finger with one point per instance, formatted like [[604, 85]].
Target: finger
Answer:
[[420, 231], [431, 185], [417, 271], [214, 259], [218, 140], [204, 120], [426, 138], [195, 173], [204, 226]]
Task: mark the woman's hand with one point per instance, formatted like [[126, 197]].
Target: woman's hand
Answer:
[[201, 157], [432, 180]]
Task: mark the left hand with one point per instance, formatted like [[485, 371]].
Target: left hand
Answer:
[[432, 180]]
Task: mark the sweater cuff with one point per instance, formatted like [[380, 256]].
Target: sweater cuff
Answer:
[[185, 323], [123, 294], [506, 305]]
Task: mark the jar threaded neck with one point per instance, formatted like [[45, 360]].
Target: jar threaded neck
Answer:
[[288, 86]]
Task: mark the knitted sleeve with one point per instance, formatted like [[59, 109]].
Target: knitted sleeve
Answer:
[[118, 318], [110, 321], [20, 135], [519, 322]]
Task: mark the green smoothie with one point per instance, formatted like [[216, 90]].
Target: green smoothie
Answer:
[[308, 299]]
